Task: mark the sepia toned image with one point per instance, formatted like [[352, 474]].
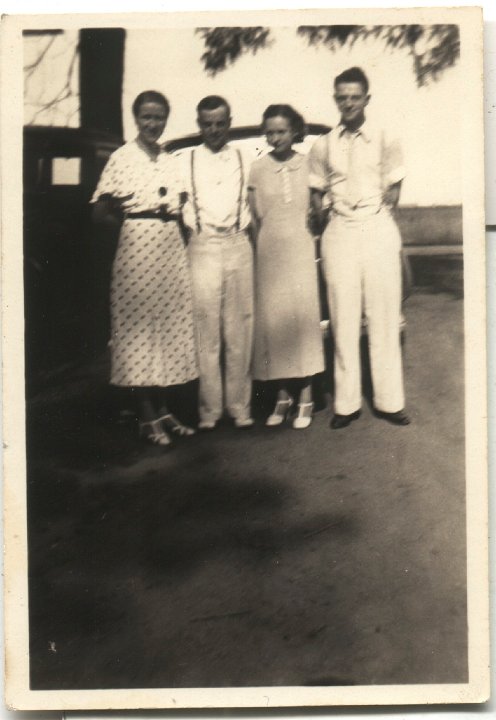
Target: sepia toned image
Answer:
[[244, 375]]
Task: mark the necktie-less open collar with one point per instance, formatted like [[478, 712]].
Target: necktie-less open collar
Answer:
[[364, 131]]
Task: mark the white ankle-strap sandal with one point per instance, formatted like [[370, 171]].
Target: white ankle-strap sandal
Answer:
[[156, 435], [173, 425], [280, 413], [304, 416]]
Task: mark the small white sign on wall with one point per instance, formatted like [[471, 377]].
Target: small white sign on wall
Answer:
[[66, 171]]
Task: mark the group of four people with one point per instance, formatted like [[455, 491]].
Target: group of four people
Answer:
[[215, 276]]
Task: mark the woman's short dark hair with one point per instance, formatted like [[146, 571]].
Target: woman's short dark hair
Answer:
[[212, 102], [353, 75], [150, 96], [294, 118]]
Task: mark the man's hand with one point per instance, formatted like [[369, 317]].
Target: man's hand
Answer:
[[391, 195]]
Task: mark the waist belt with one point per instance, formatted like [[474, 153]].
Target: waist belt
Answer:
[[149, 215], [213, 231]]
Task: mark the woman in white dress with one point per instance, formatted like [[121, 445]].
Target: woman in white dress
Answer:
[[288, 341], [152, 340]]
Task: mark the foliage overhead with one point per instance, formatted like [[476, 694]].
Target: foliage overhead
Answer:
[[433, 47], [225, 45]]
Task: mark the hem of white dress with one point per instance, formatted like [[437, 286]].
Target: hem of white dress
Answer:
[[278, 376]]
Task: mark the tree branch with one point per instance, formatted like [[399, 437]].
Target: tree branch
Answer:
[[226, 44], [29, 69], [64, 93], [441, 43]]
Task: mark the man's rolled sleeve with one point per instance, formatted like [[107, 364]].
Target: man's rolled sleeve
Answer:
[[392, 161], [318, 177]]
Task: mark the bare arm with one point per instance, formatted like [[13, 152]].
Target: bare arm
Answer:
[[256, 222], [186, 231]]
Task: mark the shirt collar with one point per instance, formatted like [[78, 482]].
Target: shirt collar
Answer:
[[364, 130], [293, 163], [223, 151], [141, 153]]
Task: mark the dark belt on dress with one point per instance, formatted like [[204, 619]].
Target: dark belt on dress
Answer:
[[149, 215]]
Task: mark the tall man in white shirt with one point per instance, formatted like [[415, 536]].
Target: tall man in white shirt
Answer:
[[221, 261], [360, 166]]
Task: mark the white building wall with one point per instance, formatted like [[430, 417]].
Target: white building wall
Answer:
[[290, 71], [169, 60]]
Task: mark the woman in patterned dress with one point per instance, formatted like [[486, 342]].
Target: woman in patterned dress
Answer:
[[288, 341], [152, 340]]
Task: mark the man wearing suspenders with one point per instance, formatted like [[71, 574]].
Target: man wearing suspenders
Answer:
[[221, 261], [361, 168]]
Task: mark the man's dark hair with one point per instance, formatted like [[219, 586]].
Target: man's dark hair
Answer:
[[292, 116], [353, 75], [150, 96], [212, 102]]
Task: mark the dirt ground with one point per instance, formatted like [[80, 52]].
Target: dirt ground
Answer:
[[254, 557]]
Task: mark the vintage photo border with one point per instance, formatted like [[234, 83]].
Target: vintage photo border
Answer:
[[18, 694]]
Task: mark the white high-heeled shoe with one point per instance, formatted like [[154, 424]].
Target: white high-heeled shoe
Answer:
[[304, 416], [280, 412]]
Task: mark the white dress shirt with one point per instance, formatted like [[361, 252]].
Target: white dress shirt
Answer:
[[356, 168], [218, 187]]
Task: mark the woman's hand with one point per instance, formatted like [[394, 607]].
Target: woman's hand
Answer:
[[319, 212], [316, 224], [256, 222], [109, 209]]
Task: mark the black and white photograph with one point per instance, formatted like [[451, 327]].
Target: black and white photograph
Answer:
[[244, 382]]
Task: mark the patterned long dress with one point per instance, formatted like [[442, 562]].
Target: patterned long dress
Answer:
[[288, 340], [152, 342]]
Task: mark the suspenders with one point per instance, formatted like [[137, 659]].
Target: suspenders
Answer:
[[241, 187], [194, 198]]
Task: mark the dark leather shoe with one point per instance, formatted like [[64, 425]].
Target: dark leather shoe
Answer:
[[342, 421], [396, 418]]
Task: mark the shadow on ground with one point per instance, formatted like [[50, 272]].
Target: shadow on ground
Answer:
[[249, 558]]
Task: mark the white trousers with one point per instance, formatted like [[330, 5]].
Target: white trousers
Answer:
[[222, 286], [362, 266]]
